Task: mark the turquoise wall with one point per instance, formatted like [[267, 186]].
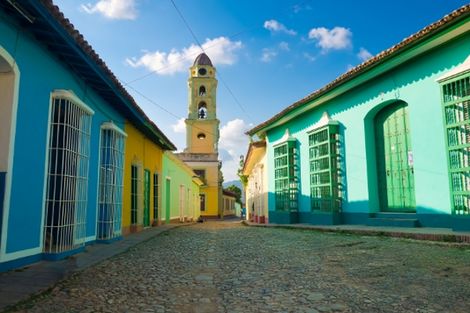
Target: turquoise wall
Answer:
[[41, 73], [413, 82]]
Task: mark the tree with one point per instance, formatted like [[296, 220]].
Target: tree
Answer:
[[237, 191], [243, 178]]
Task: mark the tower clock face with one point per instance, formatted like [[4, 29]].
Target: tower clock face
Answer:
[[202, 71]]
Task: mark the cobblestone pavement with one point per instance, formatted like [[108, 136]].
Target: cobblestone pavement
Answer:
[[227, 267]]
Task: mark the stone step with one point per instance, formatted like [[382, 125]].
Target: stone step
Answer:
[[393, 222]]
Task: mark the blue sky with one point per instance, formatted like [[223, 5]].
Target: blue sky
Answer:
[[268, 54]]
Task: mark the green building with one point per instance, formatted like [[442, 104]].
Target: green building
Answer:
[[387, 143], [180, 190]]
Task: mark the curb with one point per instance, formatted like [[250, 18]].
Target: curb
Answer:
[[443, 238]]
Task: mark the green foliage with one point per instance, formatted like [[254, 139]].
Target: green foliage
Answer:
[[237, 191]]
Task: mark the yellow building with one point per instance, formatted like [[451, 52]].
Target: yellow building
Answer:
[[143, 177], [256, 189], [202, 135]]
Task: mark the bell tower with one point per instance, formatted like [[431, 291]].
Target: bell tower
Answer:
[[202, 135], [202, 125]]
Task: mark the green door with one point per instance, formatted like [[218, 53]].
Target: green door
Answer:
[[168, 199], [395, 159], [146, 198]]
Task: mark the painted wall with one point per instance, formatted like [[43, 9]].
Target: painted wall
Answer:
[[257, 191], [183, 202], [41, 73], [413, 82], [148, 156]]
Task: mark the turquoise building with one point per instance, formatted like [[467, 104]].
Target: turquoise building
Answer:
[[387, 143], [62, 138]]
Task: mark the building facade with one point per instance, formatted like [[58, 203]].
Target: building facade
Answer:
[[202, 135], [62, 138], [384, 144], [181, 189], [256, 189]]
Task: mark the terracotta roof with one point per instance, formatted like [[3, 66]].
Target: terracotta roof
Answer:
[[406, 43], [229, 193], [86, 48], [202, 59]]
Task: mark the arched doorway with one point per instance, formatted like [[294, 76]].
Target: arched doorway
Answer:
[[395, 172], [9, 78]]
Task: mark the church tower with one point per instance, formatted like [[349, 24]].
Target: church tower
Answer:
[[202, 134], [202, 125]]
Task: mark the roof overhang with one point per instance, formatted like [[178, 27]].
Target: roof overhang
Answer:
[[48, 25], [256, 151]]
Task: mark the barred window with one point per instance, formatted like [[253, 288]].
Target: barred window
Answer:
[[110, 181], [67, 173], [325, 170], [286, 176]]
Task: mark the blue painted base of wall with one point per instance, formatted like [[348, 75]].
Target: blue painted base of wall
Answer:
[[281, 217], [320, 218], [461, 223], [457, 223], [63, 255], [108, 241], [18, 263]]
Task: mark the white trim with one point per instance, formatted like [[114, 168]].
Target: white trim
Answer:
[[97, 186], [46, 168], [457, 71], [21, 254], [110, 125], [71, 96], [324, 120], [11, 153], [90, 238]]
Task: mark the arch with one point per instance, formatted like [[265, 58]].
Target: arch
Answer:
[[202, 91], [9, 85], [390, 158], [202, 110]]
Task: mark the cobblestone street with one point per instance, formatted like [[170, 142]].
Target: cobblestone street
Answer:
[[227, 267]]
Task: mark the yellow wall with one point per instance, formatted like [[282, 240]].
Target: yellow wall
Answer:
[[141, 151]]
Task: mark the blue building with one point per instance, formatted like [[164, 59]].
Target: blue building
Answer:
[[386, 143], [62, 115]]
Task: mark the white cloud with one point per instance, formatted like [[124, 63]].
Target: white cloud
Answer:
[[363, 54], [234, 141], [268, 55], [113, 9], [284, 46], [337, 38], [180, 126], [220, 50], [309, 57], [275, 26]]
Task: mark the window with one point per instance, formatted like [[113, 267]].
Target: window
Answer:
[[136, 192], [155, 196], [200, 173], [285, 176], [456, 106], [325, 169], [202, 91], [67, 173], [202, 110], [110, 181], [202, 199]]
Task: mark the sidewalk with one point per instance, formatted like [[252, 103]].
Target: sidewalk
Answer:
[[20, 284], [417, 233]]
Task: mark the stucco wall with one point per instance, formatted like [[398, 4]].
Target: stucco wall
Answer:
[[414, 82]]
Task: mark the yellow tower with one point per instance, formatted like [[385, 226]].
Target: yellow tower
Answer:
[[202, 134]]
